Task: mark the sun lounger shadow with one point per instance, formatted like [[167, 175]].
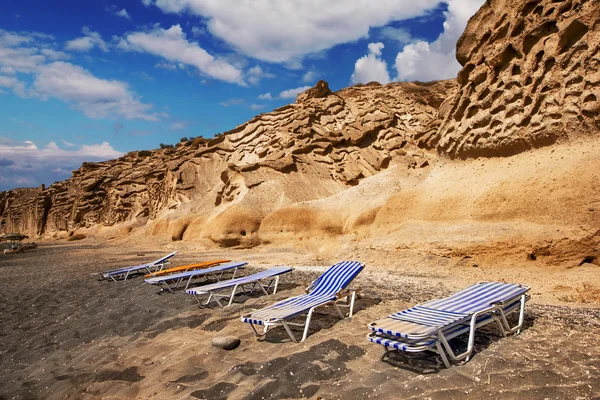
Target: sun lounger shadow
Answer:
[[423, 363], [323, 320]]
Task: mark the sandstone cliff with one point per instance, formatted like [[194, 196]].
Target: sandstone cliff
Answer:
[[372, 167]]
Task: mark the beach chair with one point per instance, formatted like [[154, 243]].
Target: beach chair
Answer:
[[326, 289], [183, 268], [148, 267], [216, 272], [264, 280], [431, 325]]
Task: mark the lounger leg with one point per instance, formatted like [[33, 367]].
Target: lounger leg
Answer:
[[307, 323], [289, 331], [337, 308], [352, 298], [276, 284], [234, 272], [518, 327], [442, 354], [126, 275], [232, 295]]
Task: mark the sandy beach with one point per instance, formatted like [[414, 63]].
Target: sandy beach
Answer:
[[66, 334]]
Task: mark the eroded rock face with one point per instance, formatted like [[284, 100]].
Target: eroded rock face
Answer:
[[313, 148], [530, 77]]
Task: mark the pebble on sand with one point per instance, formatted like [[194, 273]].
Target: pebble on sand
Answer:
[[226, 342]]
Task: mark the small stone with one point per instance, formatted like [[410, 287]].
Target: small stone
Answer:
[[226, 342]]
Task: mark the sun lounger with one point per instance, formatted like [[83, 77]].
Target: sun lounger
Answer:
[[264, 280], [148, 267], [183, 268], [429, 326], [327, 289], [215, 272]]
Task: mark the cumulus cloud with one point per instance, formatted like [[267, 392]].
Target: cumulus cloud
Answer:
[[123, 14], [172, 45], [287, 31], [256, 74], [309, 77], [179, 125], [292, 93], [87, 42], [265, 96], [26, 164], [400, 35], [31, 54], [95, 97], [371, 67], [232, 102], [437, 60]]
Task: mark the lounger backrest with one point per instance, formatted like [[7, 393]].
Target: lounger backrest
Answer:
[[165, 258], [336, 278], [478, 297]]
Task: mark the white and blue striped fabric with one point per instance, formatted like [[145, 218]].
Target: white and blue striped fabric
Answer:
[[393, 341], [195, 272], [321, 291], [136, 267], [425, 319], [269, 273]]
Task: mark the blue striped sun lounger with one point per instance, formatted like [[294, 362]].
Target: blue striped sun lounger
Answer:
[[430, 325], [326, 289], [264, 280], [126, 271], [215, 272]]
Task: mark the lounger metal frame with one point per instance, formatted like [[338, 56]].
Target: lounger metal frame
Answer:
[[272, 283], [349, 296], [204, 273], [439, 342]]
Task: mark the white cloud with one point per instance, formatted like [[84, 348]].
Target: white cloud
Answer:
[[95, 97], [68, 144], [172, 45], [232, 102], [123, 14], [292, 93], [256, 107], [265, 96], [286, 31], [30, 53], [255, 74], [87, 42], [54, 54], [437, 60], [14, 84], [166, 65], [199, 31], [398, 34], [24, 163], [309, 76], [179, 125], [371, 67]]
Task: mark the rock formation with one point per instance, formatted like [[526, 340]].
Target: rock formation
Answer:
[[530, 77], [314, 148], [373, 162]]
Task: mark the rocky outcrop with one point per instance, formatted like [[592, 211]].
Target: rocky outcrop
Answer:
[[530, 77], [370, 162], [314, 148]]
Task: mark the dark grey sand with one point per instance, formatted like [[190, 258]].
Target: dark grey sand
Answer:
[[65, 334]]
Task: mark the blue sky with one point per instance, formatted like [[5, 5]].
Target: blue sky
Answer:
[[91, 80]]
